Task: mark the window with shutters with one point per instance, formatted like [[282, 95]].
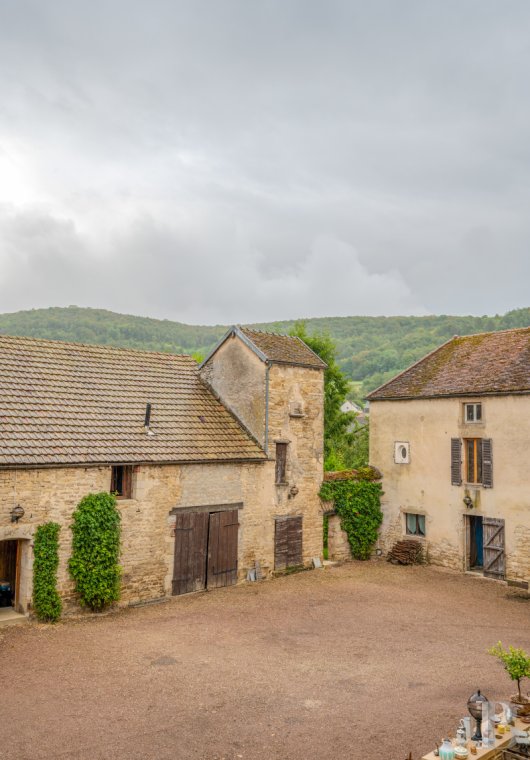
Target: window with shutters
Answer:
[[473, 460], [288, 542], [281, 464], [477, 461], [121, 481]]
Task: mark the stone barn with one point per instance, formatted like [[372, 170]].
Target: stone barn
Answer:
[[216, 467]]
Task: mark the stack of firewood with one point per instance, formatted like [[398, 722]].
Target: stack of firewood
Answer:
[[406, 552]]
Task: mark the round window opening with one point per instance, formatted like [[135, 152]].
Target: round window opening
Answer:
[[403, 452]]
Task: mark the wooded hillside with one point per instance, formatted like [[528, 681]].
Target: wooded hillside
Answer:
[[370, 349]]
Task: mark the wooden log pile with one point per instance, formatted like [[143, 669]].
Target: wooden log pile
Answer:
[[406, 552]]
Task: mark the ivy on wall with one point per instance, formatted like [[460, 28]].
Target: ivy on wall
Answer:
[[94, 564], [358, 504], [46, 600]]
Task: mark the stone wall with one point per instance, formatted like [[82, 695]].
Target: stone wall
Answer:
[[296, 416], [45, 495], [338, 545], [238, 377], [277, 403], [147, 545], [518, 560]]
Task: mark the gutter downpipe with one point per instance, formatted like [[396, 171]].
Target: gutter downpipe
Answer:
[[267, 408]]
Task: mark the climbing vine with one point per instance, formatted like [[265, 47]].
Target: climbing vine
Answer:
[[96, 550], [46, 600], [358, 504]]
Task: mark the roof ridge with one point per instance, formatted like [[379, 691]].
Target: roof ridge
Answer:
[[267, 332], [493, 332], [98, 346]]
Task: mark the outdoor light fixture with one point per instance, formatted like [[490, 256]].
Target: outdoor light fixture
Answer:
[[16, 513], [474, 705]]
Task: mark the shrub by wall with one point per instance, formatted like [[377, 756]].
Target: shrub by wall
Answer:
[[46, 600], [358, 503], [96, 550]]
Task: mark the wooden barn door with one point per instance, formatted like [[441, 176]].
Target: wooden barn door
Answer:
[[494, 553], [288, 542], [205, 550], [222, 548], [191, 548]]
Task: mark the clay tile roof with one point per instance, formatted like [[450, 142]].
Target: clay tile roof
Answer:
[[283, 349], [488, 363], [69, 403]]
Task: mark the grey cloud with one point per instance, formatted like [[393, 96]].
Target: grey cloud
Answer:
[[244, 161], [178, 276]]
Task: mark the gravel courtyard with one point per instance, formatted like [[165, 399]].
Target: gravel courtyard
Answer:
[[367, 661]]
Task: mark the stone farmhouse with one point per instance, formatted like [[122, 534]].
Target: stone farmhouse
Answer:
[[216, 467], [451, 437]]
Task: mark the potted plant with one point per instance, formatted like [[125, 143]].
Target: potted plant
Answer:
[[517, 664]]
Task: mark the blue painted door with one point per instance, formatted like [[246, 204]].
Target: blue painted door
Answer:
[[479, 542]]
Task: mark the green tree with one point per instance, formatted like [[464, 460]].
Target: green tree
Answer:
[[341, 435], [95, 550], [516, 663]]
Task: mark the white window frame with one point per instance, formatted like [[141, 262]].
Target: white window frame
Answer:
[[474, 405], [398, 457]]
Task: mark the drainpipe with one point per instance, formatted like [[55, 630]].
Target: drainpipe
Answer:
[[267, 370]]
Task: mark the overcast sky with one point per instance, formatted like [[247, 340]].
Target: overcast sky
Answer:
[[230, 161]]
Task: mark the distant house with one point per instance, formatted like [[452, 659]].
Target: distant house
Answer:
[[361, 414], [349, 406], [451, 436], [216, 468]]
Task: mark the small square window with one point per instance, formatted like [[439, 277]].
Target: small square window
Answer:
[[121, 481], [415, 525], [473, 412]]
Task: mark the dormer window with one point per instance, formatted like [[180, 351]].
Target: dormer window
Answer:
[[472, 412]]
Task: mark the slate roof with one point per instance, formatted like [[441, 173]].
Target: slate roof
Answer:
[[283, 349], [488, 363], [69, 403]]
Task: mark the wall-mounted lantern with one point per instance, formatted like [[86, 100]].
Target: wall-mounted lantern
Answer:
[[16, 513], [468, 501]]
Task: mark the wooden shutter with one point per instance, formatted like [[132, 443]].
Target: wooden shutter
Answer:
[[288, 542], [222, 548], [494, 553], [487, 463], [456, 462], [191, 542]]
